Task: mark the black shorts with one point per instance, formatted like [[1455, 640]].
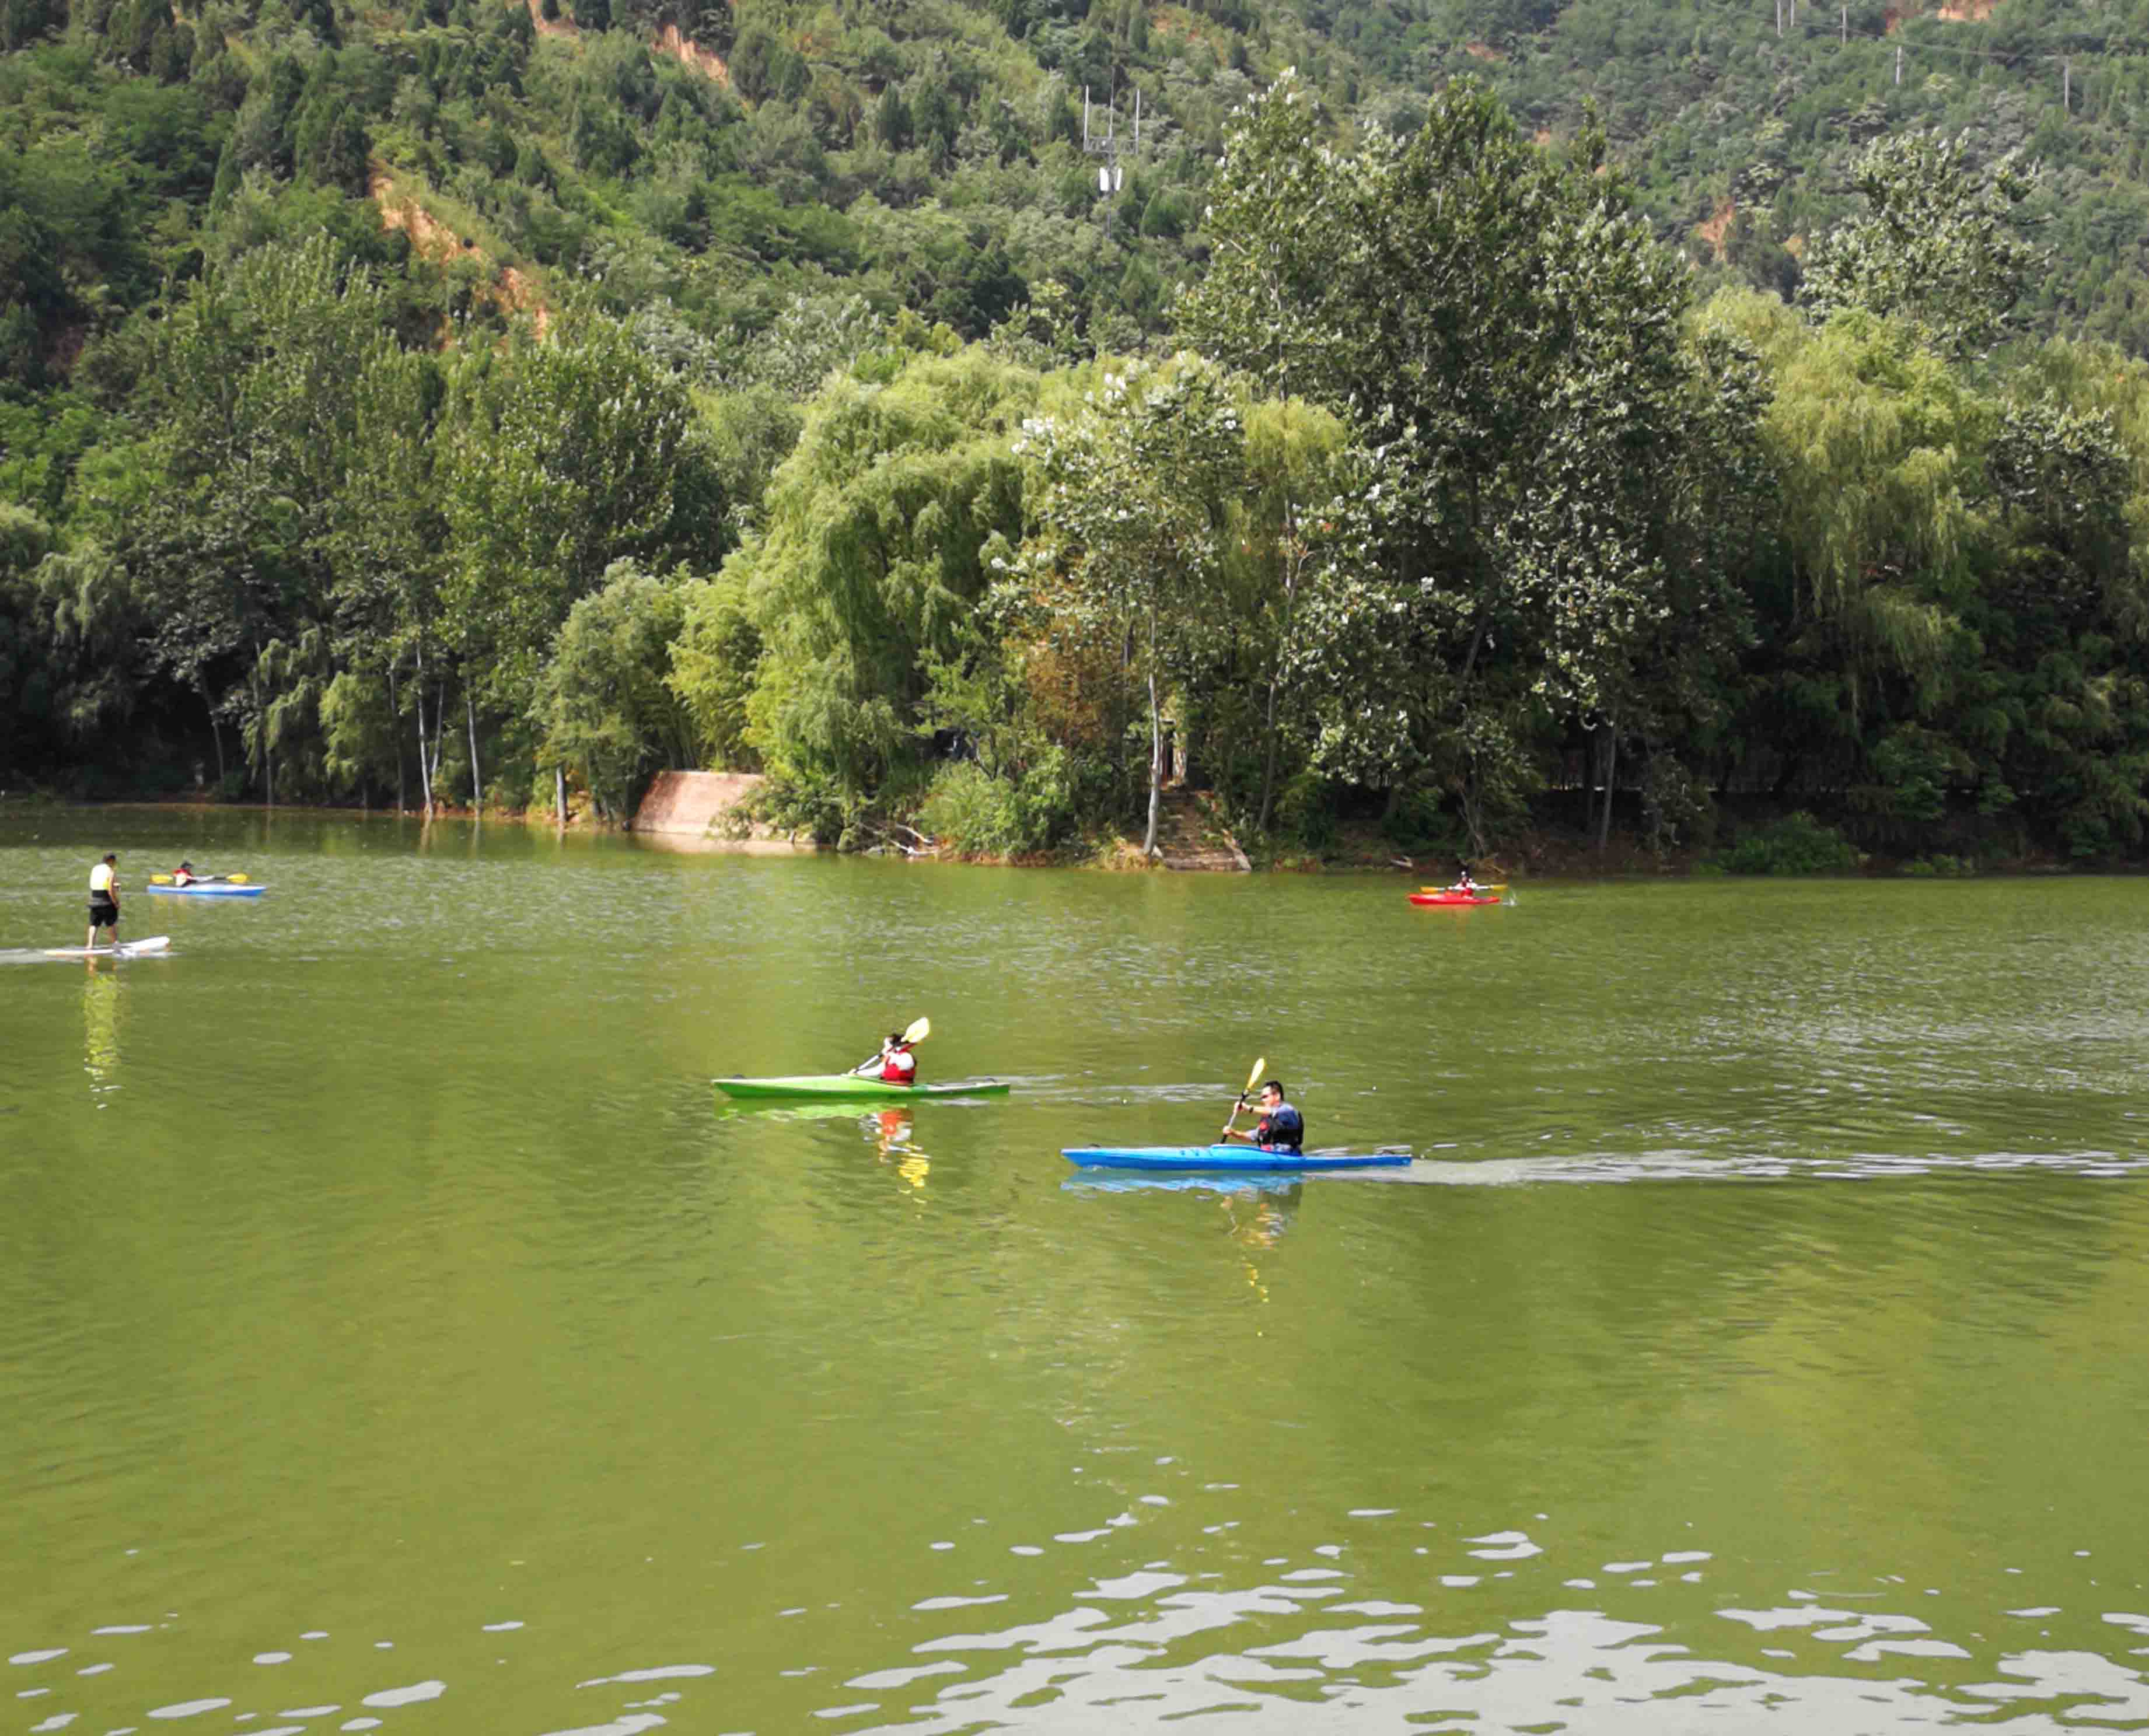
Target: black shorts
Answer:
[[103, 913]]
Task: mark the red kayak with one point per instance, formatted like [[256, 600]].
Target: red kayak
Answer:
[[1455, 898]]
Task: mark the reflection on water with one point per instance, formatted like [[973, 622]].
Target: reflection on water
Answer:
[[1641, 1645], [100, 1028], [893, 1131], [1152, 1651]]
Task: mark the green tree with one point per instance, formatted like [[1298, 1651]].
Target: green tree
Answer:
[[1130, 514], [1505, 335], [1937, 244], [558, 459], [603, 699], [871, 556], [253, 390]]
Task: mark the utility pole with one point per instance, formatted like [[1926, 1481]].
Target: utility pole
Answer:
[[1845, 36], [1899, 63], [2067, 84]]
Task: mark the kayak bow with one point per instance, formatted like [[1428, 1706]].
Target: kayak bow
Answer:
[[851, 1087], [1222, 1157]]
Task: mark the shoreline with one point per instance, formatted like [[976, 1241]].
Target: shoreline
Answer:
[[1543, 853]]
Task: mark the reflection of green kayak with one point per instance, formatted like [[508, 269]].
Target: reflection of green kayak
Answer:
[[850, 1087]]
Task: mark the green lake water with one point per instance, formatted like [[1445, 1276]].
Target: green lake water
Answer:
[[395, 1334]]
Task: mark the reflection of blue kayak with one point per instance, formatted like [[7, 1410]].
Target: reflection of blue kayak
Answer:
[[1229, 1157], [1250, 1183], [207, 891]]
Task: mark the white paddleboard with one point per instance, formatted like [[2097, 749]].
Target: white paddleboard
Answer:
[[125, 948]]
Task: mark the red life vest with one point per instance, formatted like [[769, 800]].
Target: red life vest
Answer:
[[900, 1068]]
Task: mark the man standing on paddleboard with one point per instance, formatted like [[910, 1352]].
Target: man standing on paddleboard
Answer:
[[1282, 1128], [103, 901]]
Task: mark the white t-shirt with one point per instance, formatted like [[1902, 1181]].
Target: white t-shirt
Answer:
[[100, 877]]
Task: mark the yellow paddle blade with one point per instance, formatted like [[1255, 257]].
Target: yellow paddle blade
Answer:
[[161, 880], [920, 1029], [1254, 1078], [236, 879]]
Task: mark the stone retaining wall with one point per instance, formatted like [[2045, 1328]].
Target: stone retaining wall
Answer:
[[689, 803]]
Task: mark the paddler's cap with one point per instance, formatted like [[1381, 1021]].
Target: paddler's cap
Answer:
[[187, 867]]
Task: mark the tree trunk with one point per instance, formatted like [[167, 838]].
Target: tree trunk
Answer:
[[1276, 671], [1611, 772], [1156, 755], [215, 735], [560, 795], [1473, 817], [267, 749], [425, 775], [440, 726], [477, 778], [396, 736]]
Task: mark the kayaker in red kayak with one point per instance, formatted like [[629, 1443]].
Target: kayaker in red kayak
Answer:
[[1282, 1128]]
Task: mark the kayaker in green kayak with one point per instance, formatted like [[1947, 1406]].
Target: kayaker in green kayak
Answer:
[[897, 1064], [1282, 1128]]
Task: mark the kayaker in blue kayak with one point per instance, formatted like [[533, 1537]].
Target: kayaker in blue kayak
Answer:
[[184, 875], [1282, 1128]]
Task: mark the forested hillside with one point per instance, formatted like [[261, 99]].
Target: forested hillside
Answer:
[[401, 405], [1739, 122]]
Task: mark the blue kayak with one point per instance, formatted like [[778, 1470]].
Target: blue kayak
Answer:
[[202, 889], [1228, 1157]]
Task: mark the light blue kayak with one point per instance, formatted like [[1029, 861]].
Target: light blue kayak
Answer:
[[202, 891], [1229, 1157]]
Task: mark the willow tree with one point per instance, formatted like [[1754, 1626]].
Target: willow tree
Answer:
[[869, 560]]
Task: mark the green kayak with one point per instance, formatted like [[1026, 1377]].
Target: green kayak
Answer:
[[851, 1087]]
